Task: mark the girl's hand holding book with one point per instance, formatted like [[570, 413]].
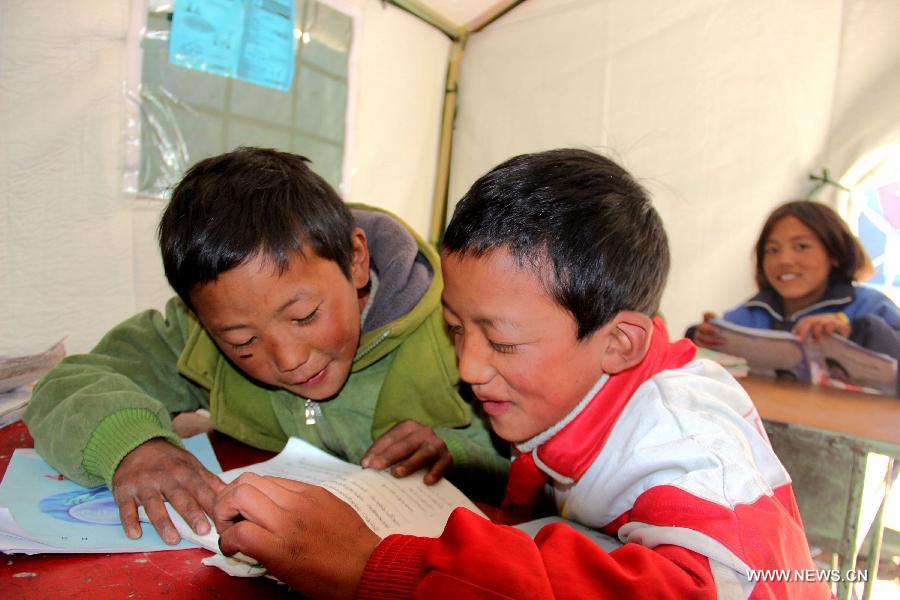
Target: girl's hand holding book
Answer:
[[707, 334], [819, 326]]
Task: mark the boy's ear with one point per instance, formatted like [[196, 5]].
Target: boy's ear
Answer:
[[359, 259], [628, 339]]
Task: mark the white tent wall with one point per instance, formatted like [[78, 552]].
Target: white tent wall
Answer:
[[720, 108], [867, 95], [76, 254]]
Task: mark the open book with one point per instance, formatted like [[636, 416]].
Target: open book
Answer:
[[386, 503], [833, 360]]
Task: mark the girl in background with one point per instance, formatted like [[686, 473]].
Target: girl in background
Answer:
[[807, 262]]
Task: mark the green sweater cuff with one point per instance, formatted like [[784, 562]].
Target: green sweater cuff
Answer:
[[117, 435], [457, 448], [469, 456], [479, 472]]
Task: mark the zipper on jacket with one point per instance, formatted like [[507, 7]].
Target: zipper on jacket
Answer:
[[371, 345], [315, 416]]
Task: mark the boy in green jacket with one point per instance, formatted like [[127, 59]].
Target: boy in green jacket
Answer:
[[295, 316]]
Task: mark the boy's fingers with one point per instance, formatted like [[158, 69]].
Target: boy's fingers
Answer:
[[425, 455], [156, 512], [206, 495], [385, 443], [283, 492], [128, 514], [248, 538], [267, 483], [708, 316], [215, 484], [393, 455], [245, 500], [398, 450], [192, 513], [438, 469]]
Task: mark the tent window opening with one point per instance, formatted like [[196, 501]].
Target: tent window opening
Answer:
[[873, 213], [181, 115]]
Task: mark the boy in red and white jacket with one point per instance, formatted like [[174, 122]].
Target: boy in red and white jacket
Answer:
[[554, 264]]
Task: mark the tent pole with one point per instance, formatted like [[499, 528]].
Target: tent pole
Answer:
[[458, 35], [491, 15], [442, 180], [436, 20]]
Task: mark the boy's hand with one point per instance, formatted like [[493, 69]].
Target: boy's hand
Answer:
[[707, 334], [158, 471], [408, 447], [304, 535], [819, 326]]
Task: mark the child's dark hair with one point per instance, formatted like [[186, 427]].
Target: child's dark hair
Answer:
[[842, 247], [250, 202], [579, 221]]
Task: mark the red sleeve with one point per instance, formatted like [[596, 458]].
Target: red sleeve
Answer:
[[475, 558]]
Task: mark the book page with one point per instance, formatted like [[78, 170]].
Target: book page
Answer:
[[406, 505], [300, 461], [778, 354], [842, 361]]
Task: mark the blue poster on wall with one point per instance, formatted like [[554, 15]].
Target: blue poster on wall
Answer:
[[251, 40]]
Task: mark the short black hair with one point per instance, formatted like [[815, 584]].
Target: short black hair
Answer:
[[851, 262], [245, 203], [576, 219]]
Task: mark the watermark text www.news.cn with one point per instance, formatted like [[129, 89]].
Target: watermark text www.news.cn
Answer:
[[809, 575]]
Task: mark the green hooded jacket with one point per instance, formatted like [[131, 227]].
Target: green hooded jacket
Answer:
[[93, 409]]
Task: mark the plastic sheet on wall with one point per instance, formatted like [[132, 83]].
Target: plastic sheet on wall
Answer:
[[178, 116]]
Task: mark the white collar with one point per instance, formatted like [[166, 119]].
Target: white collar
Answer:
[[544, 436]]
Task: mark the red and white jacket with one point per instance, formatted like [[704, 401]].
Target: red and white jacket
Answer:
[[671, 458]]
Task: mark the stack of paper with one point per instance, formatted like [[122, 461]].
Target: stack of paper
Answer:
[[13, 404], [735, 365], [42, 512], [17, 374]]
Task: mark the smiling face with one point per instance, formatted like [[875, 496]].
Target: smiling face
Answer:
[[297, 330], [516, 346], [796, 264]]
